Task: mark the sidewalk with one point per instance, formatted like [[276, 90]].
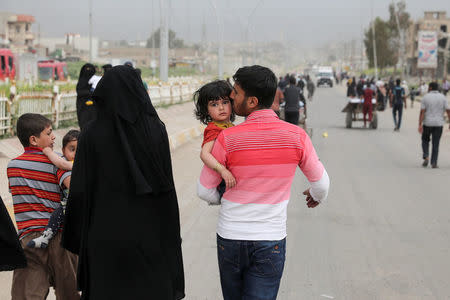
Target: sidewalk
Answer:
[[180, 123]]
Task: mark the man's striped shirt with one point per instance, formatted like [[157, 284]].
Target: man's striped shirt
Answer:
[[34, 183], [262, 153]]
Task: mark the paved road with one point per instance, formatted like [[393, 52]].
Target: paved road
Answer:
[[384, 234]]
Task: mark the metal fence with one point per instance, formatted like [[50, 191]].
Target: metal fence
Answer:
[[61, 107]]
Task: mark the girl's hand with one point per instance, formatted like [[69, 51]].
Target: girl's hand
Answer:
[[230, 181]]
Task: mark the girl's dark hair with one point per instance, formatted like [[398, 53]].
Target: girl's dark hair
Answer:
[[218, 89], [70, 136]]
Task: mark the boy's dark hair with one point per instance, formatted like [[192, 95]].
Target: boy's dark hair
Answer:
[[31, 125], [433, 86], [71, 135], [218, 89], [259, 82], [398, 81]]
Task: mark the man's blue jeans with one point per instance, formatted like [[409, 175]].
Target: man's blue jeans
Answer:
[[250, 270]]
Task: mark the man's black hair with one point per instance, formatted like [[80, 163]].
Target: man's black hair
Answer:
[[433, 86], [292, 80], [215, 90], [259, 82], [398, 81], [71, 135], [31, 125]]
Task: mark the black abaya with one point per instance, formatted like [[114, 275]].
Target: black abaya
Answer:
[[11, 252], [122, 216], [85, 110]]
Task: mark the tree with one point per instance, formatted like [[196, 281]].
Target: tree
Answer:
[[386, 53], [398, 10], [174, 42]]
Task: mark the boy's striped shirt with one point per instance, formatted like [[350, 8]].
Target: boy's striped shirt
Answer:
[[35, 187]]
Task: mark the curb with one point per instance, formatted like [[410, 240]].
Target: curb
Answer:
[[180, 138]]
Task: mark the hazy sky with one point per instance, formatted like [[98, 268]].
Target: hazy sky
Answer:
[[305, 22]]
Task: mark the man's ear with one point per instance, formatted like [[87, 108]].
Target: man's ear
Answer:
[[33, 141], [252, 102]]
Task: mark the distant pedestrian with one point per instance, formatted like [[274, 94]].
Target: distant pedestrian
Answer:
[[412, 95], [292, 102], [351, 88], [445, 87], [367, 104], [213, 108], [278, 99], [310, 87], [122, 215], [431, 122], [398, 100], [263, 153], [85, 105]]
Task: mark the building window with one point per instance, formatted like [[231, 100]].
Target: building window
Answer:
[[27, 27], [18, 28], [444, 28]]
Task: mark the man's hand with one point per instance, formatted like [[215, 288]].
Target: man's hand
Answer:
[[420, 129], [310, 202]]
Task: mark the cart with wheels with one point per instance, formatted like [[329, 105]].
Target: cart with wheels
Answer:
[[354, 112]]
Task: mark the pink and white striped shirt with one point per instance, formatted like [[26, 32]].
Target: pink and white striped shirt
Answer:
[[262, 153]]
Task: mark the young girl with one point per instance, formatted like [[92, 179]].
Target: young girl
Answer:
[[70, 141], [214, 109]]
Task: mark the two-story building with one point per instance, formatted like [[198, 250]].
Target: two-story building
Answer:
[[436, 21], [15, 31]]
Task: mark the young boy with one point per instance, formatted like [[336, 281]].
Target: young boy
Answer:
[[36, 192], [69, 148]]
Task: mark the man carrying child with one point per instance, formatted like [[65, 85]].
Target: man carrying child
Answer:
[[35, 186]]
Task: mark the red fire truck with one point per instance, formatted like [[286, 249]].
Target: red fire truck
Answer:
[[52, 70], [7, 65]]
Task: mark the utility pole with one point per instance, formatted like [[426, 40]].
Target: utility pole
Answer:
[[374, 46], [401, 48], [164, 43], [90, 31], [220, 29]]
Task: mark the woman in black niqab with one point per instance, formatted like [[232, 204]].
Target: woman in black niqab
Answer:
[[11, 252], [85, 106], [122, 216]]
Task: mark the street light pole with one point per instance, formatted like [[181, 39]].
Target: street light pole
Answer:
[[374, 46], [220, 29], [90, 31], [401, 49], [164, 44]]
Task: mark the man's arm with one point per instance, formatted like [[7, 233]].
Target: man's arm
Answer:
[[448, 115], [315, 173], [421, 117]]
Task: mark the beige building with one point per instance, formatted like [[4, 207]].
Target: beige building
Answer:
[[142, 57], [432, 21], [15, 31]]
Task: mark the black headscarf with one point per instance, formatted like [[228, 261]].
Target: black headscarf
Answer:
[[121, 96], [86, 72]]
